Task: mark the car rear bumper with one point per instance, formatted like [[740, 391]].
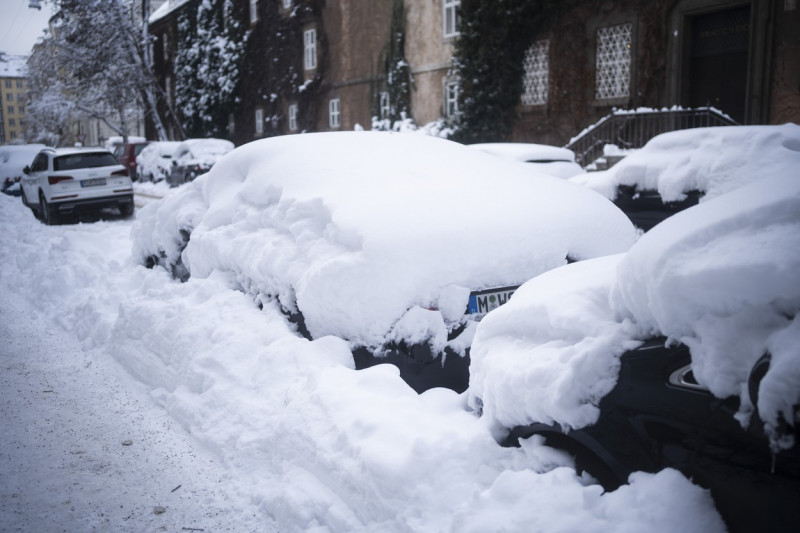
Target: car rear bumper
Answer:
[[70, 206]]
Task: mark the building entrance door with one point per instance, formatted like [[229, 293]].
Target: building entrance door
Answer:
[[718, 61]]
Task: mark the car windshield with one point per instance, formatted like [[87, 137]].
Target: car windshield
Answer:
[[87, 160]]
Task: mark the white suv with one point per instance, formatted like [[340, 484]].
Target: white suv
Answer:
[[63, 181]]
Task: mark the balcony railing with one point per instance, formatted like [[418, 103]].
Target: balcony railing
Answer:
[[632, 129]]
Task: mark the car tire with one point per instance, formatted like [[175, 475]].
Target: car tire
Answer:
[[49, 213], [126, 210]]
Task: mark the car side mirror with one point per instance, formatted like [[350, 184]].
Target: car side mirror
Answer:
[[26, 170]]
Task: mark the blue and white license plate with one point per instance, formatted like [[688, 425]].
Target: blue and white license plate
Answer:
[[481, 302], [93, 182]]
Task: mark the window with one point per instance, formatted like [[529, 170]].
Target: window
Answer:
[[259, 122], [19, 84], [613, 63], [12, 122], [386, 108], [287, 4], [253, 11], [334, 113], [165, 45], [310, 40], [8, 84], [450, 17], [11, 110], [293, 117], [9, 97], [451, 90], [168, 89], [21, 109], [536, 78]]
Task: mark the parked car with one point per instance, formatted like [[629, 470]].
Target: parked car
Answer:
[[194, 157], [155, 160], [13, 158], [679, 169], [681, 353], [552, 160], [127, 154], [381, 239], [65, 181]]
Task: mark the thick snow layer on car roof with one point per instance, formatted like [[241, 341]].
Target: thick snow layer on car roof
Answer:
[[358, 228], [722, 277], [711, 160], [526, 151]]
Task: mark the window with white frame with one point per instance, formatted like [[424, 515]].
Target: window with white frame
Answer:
[[310, 47], [293, 117], [165, 44], [287, 4], [385, 106], [259, 121], [334, 113], [451, 90], [613, 62], [536, 77], [253, 11], [168, 89], [450, 17]]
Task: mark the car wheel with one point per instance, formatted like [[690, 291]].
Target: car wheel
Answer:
[[126, 210], [49, 213]]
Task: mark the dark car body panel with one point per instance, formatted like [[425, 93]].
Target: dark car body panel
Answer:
[[646, 208], [651, 421]]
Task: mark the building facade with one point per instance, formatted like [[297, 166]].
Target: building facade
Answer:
[[320, 65], [14, 97]]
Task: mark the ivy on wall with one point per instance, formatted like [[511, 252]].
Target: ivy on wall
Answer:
[[399, 81], [208, 56], [488, 58], [278, 76]]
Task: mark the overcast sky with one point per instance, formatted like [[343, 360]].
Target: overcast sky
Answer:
[[21, 26]]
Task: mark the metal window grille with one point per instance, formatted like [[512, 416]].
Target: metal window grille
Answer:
[[334, 113], [613, 75], [536, 80], [310, 39], [450, 17]]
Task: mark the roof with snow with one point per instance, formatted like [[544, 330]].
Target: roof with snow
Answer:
[[13, 66]]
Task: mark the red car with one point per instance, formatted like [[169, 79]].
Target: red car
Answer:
[[126, 155]]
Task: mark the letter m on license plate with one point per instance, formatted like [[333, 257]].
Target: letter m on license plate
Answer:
[[481, 302]]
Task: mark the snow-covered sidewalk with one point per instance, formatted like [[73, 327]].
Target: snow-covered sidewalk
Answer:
[[84, 448]]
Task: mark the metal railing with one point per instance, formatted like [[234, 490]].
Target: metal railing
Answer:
[[632, 129]]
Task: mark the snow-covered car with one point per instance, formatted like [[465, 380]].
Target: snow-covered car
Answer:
[[127, 155], [553, 160], [194, 157], [681, 353], [65, 181], [380, 239], [13, 158], [155, 160], [679, 169]]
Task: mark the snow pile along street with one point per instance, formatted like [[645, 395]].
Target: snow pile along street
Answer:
[[304, 441]]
